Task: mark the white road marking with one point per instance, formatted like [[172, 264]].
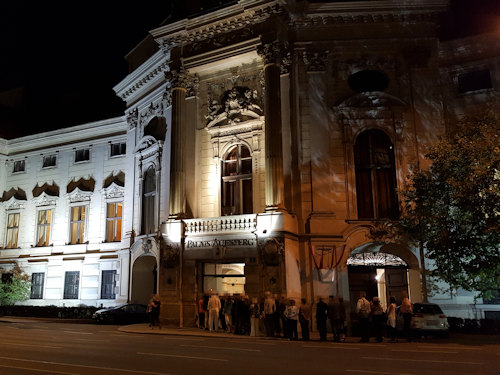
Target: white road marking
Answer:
[[447, 347], [250, 342], [423, 351], [331, 347], [79, 333], [184, 356], [84, 366], [373, 372], [221, 347], [35, 345], [34, 369], [422, 360]]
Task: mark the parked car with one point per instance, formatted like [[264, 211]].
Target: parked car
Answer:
[[427, 319], [128, 313]]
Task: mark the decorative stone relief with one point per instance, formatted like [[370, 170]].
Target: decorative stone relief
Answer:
[[271, 250], [14, 204], [315, 61], [132, 118], [45, 200], [113, 191], [157, 109], [78, 195], [183, 79], [276, 52], [368, 62]]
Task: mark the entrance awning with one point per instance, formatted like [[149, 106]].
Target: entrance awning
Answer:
[[375, 254]]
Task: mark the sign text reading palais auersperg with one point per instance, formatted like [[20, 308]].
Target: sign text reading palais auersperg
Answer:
[[216, 243]]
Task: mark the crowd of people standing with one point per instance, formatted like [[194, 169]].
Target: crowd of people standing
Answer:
[[277, 316]]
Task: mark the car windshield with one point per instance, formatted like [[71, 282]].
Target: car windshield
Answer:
[[427, 309]]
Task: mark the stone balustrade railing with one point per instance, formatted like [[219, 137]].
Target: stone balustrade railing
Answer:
[[224, 224]]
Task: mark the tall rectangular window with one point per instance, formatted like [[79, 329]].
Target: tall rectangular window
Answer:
[[82, 155], [37, 285], [12, 230], [44, 221], [49, 161], [77, 224], [19, 166], [71, 283], [118, 149], [114, 222], [474, 81], [108, 284]]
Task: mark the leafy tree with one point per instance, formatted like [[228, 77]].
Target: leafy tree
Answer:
[[453, 208], [15, 289]]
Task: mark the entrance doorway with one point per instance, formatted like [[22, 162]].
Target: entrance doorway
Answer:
[[224, 278], [144, 279], [378, 274]]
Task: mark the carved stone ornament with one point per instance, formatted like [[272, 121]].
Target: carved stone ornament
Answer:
[[237, 105], [183, 79], [372, 99], [78, 195], [315, 61], [14, 204], [383, 231], [272, 250], [272, 53], [132, 118], [45, 199], [147, 245], [369, 62], [169, 255], [113, 191]]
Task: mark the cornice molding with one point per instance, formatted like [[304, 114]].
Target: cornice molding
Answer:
[[14, 204], [78, 195], [113, 191], [45, 199], [225, 20]]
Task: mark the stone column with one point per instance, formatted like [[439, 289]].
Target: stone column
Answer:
[[177, 198], [271, 54]]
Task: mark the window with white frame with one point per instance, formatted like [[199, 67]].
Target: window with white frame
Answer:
[[118, 149], [12, 230], [49, 161], [148, 201], [114, 222], [236, 186], [77, 224], [19, 166], [108, 284], [82, 155], [71, 284], [43, 226], [37, 279]]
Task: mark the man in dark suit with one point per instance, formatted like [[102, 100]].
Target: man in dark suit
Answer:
[[321, 315]]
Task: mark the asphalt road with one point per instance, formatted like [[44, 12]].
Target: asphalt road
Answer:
[[61, 348]]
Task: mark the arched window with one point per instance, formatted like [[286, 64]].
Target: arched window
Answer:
[[148, 201], [375, 176], [237, 182], [156, 128]]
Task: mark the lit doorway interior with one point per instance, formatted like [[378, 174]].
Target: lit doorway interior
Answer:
[[224, 278]]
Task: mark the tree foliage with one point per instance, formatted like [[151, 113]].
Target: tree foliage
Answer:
[[453, 208], [16, 289]]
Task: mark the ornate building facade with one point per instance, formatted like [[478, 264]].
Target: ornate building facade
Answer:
[[265, 144]]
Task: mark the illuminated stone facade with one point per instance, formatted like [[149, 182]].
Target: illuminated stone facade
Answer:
[[274, 135]]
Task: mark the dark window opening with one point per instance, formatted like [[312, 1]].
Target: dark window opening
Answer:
[[237, 191], [37, 285], [375, 176], [71, 283], [82, 155], [156, 128], [474, 81], [108, 284], [368, 80], [148, 201], [19, 166], [49, 161], [118, 149]]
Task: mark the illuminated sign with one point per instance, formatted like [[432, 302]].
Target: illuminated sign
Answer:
[[190, 244]]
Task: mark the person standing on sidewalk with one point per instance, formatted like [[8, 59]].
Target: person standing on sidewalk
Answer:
[[363, 310], [406, 310], [269, 311], [292, 316], [391, 319], [213, 312], [321, 315], [155, 311], [305, 319], [201, 313]]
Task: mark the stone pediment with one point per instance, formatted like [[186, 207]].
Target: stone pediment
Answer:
[[78, 195], [45, 199], [237, 105], [14, 204], [372, 99], [145, 143], [114, 191]]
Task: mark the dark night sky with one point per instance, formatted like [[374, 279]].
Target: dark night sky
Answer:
[[60, 60]]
